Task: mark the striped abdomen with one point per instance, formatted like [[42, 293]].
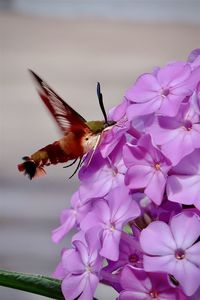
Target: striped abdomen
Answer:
[[72, 146], [51, 154]]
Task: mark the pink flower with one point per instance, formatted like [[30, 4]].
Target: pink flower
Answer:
[[179, 135], [130, 253], [138, 285], [117, 135], [163, 91], [102, 175], [147, 168], [109, 216], [194, 58], [183, 184], [173, 249], [70, 217], [137, 227], [81, 265]]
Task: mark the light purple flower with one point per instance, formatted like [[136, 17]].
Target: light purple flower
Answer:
[[112, 138], [193, 55], [172, 249], [195, 99], [130, 253], [109, 216], [179, 135], [59, 272], [183, 186], [147, 168], [117, 134], [102, 175], [137, 210], [151, 212], [118, 112], [70, 217], [139, 285], [195, 296], [163, 91], [194, 58], [82, 265]]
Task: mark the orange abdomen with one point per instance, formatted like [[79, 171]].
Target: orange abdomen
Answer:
[[57, 152]]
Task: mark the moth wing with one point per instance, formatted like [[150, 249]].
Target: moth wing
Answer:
[[66, 117]]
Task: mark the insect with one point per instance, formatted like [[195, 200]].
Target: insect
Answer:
[[79, 136]]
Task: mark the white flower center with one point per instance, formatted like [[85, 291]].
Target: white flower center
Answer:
[[88, 269]]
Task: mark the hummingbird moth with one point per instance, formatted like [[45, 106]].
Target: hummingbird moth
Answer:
[[79, 136]]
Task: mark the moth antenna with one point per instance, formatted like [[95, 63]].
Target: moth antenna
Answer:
[[79, 163], [74, 161], [100, 97]]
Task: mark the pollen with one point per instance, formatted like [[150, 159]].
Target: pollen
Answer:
[[153, 294], [157, 166], [114, 171], [88, 269], [111, 227]]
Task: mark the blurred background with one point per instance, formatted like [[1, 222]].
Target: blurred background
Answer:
[[72, 45]]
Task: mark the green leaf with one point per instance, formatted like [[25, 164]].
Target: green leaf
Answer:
[[127, 229], [36, 284]]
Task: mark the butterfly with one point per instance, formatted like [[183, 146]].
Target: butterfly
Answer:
[[79, 136]]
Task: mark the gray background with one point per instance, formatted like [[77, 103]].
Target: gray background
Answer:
[[71, 44]]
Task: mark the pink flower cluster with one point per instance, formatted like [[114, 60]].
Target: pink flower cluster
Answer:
[[137, 210]]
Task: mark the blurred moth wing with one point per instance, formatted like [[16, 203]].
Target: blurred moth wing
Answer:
[[79, 136]]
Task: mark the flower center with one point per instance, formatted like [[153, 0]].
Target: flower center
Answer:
[[88, 269], [165, 92], [111, 227], [180, 254], [153, 294], [187, 125], [114, 171], [157, 166], [133, 258]]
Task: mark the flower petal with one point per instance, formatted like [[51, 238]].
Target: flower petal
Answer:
[[71, 262], [157, 239], [138, 176], [110, 240], [193, 254], [144, 89], [72, 286], [165, 264], [61, 231], [183, 189], [156, 186], [185, 228], [133, 295], [90, 287], [188, 276], [135, 280]]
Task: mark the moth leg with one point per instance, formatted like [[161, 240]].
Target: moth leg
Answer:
[[79, 164], [74, 161]]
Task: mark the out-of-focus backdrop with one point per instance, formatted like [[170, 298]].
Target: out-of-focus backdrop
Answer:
[[72, 45]]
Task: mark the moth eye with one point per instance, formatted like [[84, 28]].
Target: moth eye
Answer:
[[87, 139]]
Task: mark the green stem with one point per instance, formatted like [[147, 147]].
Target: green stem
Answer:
[[36, 284]]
